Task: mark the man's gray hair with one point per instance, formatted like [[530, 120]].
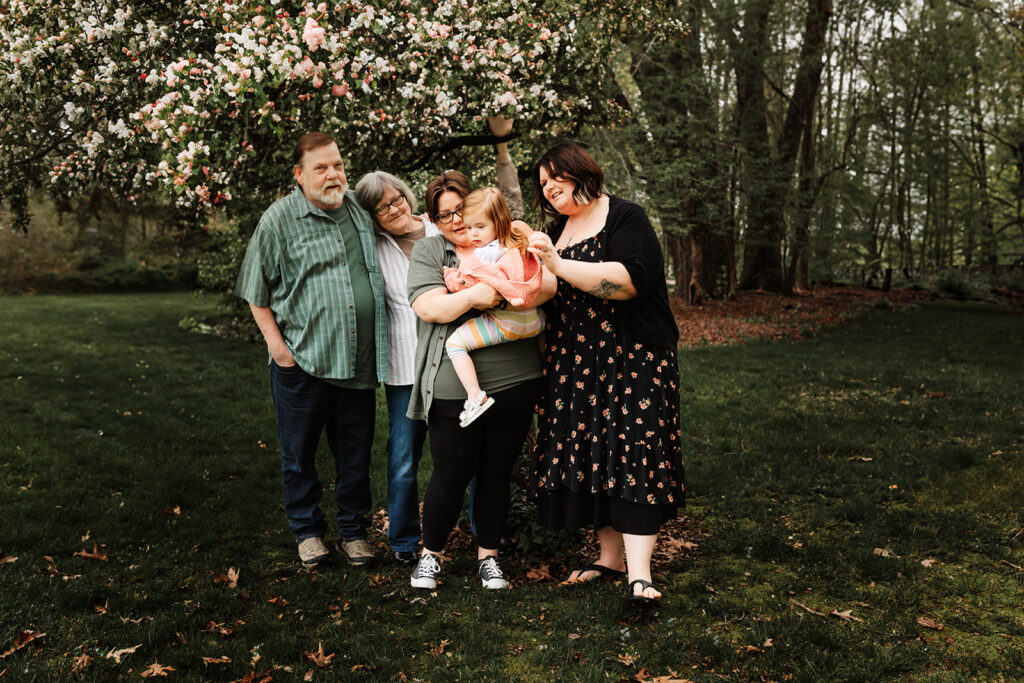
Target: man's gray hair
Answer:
[[370, 189]]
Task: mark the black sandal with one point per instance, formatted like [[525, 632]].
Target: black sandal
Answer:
[[640, 600], [603, 574]]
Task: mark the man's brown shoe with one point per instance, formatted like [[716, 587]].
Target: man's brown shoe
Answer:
[[312, 551], [357, 551]]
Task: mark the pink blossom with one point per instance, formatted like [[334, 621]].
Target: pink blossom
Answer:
[[340, 90], [317, 81], [313, 34], [306, 66]]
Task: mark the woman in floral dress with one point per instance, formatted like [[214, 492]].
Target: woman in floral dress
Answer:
[[608, 448]]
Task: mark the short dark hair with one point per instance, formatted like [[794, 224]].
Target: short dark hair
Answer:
[[311, 141], [570, 162], [449, 181]]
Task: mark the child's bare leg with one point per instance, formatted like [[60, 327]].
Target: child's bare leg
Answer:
[[466, 371]]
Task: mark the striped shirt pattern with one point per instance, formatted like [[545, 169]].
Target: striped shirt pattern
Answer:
[[296, 265], [401, 320]]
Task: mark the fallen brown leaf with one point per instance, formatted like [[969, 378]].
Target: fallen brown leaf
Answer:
[[768, 643], [319, 657], [156, 669], [101, 609], [439, 648], [218, 628], [223, 659], [360, 667], [7, 559], [23, 638], [884, 552], [278, 600], [94, 555], [674, 546], [928, 623], [625, 659], [538, 574], [81, 663], [308, 676], [117, 654], [231, 578], [752, 648], [927, 563]]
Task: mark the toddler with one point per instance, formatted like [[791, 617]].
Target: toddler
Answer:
[[501, 261]]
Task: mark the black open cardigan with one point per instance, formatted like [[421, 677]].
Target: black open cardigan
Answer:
[[629, 239]]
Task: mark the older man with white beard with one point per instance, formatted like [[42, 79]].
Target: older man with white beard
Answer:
[[312, 280]]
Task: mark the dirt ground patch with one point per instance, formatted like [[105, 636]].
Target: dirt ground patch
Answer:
[[759, 315]]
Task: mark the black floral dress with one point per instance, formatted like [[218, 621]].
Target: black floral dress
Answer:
[[608, 416]]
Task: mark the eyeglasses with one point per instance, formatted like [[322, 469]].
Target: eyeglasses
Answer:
[[386, 209], [448, 216]]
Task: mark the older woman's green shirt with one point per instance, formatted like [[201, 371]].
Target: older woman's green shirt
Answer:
[[498, 367]]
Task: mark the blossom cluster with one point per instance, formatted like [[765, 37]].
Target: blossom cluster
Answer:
[[205, 97], [69, 71]]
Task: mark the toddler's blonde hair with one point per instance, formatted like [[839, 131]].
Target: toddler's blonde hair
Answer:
[[489, 202]]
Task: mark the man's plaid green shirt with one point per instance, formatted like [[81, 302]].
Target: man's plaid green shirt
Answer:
[[296, 265]]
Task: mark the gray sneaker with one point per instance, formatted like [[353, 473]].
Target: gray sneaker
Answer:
[[312, 551], [426, 572], [491, 574], [357, 551]]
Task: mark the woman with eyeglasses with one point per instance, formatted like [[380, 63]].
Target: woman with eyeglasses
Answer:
[[511, 373], [392, 206]]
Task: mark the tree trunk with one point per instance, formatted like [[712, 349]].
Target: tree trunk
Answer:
[[805, 198], [989, 250], [712, 260], [766, 177]]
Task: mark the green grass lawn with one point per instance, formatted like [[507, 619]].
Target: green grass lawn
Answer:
[[860, 495]]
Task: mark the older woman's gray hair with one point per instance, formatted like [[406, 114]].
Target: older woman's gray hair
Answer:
[[370, 189]]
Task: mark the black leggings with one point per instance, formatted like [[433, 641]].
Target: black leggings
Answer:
[[486, 449]]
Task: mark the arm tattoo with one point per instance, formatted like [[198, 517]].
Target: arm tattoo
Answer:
[[605, 290]]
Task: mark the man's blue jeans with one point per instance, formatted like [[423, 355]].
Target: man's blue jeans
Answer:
[[307, 406], [405, 446]]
